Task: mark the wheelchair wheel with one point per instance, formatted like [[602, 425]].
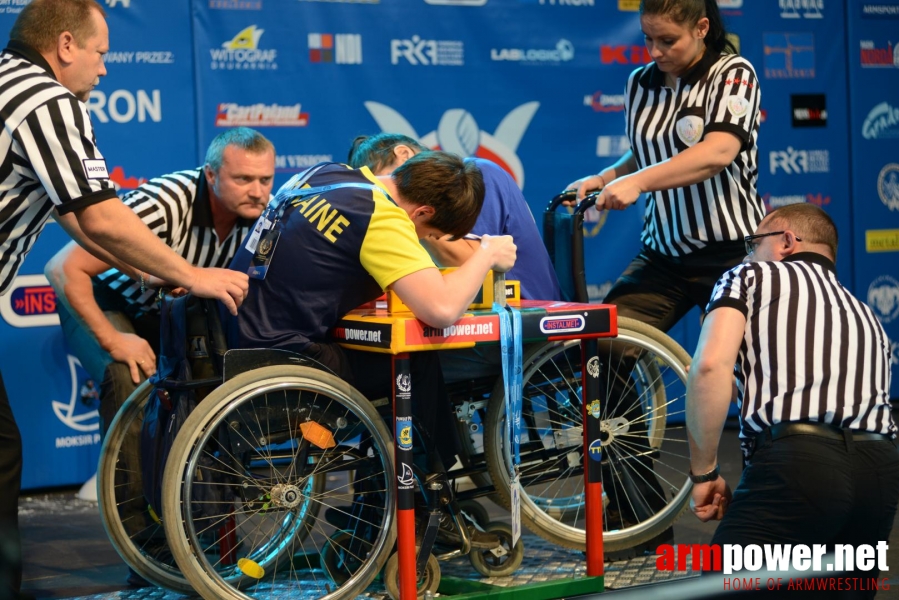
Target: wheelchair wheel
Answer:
[[645, 460], [428, 581], [135, 532], [241, 513], [498, 562]]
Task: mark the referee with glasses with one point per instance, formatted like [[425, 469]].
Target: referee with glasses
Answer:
[[812, 367], [51, 166]]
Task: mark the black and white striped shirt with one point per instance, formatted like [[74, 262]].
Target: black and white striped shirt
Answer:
[[720, 93], [49, 155], [811, 351], [176, 207]]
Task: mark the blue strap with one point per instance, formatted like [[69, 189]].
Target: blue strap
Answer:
[[294, 189], [511, 348]]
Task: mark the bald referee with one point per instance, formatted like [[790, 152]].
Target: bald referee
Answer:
[[51, 166], [813, 379]]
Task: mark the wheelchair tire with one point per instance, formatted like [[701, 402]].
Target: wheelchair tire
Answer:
[[428, 581], [489, 564], [252, 446], [135, 533], [637, 436]]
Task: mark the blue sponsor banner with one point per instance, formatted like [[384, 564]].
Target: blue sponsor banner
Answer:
[[534, 85], [873, 65], [60, 429], [145, 125]]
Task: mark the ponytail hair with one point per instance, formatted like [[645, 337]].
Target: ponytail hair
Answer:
[[688, 13]]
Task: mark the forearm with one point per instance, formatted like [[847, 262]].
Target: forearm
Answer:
[[74, 288], [441, 299], [116, 229], [709, 392], [70, 224], [450, 253], [625, 165], [694, 165]]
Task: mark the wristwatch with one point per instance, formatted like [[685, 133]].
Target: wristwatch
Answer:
[[705, 477]]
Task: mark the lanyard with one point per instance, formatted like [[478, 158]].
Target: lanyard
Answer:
[[511, 349], [294, 189]]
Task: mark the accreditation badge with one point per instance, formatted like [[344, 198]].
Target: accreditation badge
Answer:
[[265, 250]]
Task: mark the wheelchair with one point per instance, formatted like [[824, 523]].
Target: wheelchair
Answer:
[[282, 476]]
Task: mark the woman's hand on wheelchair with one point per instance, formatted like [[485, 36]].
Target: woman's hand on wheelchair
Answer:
[[584, 186], [619, 194]]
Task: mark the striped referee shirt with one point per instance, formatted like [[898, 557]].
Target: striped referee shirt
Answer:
[[811, 351], [720, 93], [177, 208], [49, 155]]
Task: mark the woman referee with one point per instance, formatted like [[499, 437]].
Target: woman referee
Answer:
[[692, 121]]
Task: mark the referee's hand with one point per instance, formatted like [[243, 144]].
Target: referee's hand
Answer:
[[584, 186], [710, 500], [227, 286]]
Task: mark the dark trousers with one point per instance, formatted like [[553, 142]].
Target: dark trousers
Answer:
[[371, 374], [809, 490], [10, 485], [659, 290]]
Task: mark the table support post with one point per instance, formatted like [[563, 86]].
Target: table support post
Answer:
[[592, 455], [405, 481]]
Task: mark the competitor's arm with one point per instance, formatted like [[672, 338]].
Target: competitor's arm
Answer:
[[450, 253], [440, 299]]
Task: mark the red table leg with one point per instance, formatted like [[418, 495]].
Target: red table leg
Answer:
[[405, 507], [592, 455]]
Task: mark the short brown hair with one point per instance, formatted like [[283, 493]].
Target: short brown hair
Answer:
[[376, 151], [40, 24], [810, 223], [452, 186]]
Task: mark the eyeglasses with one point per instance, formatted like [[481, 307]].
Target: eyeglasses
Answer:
[[750, 244]]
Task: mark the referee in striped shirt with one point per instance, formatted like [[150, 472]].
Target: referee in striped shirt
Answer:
[[110, 321], [812, 382], [692, 118], [50, 166]]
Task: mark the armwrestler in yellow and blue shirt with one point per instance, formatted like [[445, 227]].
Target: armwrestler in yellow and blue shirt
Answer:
[[341, 248]]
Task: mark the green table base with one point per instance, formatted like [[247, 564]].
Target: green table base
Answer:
[[461, 589]]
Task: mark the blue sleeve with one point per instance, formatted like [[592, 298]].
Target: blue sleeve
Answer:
[[499, 191]]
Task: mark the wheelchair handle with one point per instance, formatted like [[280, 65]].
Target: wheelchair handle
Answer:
[[567, 195], [588, 202], [570, 196]]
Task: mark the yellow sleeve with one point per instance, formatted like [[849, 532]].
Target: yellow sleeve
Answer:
[[391, 250]]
